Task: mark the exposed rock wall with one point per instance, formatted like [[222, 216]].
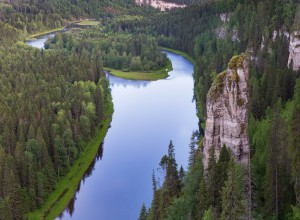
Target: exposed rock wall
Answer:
[[159, 4], [294, 49], [227, 120]]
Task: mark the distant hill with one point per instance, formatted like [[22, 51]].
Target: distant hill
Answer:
[[33, 15]]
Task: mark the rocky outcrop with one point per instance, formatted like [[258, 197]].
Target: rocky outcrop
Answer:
[[227, 121], [222, 32], [294, 49], [159, 4]]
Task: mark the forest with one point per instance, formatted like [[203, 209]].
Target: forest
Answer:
[[33, 16], [273, 113], [50, 112], [121, 51], [48, 115]]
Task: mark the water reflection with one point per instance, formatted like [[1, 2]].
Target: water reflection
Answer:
[[116, 81]]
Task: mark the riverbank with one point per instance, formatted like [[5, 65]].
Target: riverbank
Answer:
[[67, 187], [148, 76], [179, 52], [87, 22], [41, 33]]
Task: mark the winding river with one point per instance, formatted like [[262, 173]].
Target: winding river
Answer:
[[147, 116]]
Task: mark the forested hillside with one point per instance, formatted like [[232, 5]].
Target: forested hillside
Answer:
[[35, 15], [121, 51], [52, 103], [212, 33]]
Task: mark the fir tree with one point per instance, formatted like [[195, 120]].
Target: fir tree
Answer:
[[233, 198], [143, 213]]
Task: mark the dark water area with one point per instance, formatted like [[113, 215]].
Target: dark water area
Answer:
[[147, 116]]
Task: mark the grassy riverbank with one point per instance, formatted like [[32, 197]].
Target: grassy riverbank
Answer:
[[79, 23], [185, 55], [31, 36], [66, 187], [148, 76]]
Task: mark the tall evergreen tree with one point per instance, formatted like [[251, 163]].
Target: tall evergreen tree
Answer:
[[233, 198], [211, 178], [143, 213], [294, 148]]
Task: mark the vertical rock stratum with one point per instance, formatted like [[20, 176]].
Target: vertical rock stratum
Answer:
[[227, 119], [294, 49]]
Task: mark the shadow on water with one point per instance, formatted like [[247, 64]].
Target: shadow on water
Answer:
[[71, 205]]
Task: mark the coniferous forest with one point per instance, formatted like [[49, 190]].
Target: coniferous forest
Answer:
[[55, 100]]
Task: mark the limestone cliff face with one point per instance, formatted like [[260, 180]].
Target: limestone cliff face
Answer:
[[227, 121], [159, 4], [294, 49]]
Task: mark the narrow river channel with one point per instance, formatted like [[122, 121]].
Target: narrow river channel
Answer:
[[147, 116]]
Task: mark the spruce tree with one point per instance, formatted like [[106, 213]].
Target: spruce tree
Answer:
[[233, 197], [294, 148], [143, 213], [211, 178], [171, 187]]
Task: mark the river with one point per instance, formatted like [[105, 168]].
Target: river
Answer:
[[147, 116]]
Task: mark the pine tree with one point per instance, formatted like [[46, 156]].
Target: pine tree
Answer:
[[202, 200], [143, 213], [153, 213], [172, 181], [98, 100], [233, 198], [171, 187], [193, 144], [181, 176], [294, 148], [211, 178], [221, 175]]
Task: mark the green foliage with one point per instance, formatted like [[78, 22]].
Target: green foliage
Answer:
[[49, 113], [233, 198], [143, 213], [209, 214], [120, 51], [32, 16], [236, 62]]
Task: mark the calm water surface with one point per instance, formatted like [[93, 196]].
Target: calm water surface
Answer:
[[39, 43], [147, 116]]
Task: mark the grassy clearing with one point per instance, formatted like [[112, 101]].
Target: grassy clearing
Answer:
[[66, 188], [185, 55], [88, 23], [148, 76]]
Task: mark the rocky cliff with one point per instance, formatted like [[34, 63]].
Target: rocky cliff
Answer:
[[159, 4], [227, 119], [294, 48]]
